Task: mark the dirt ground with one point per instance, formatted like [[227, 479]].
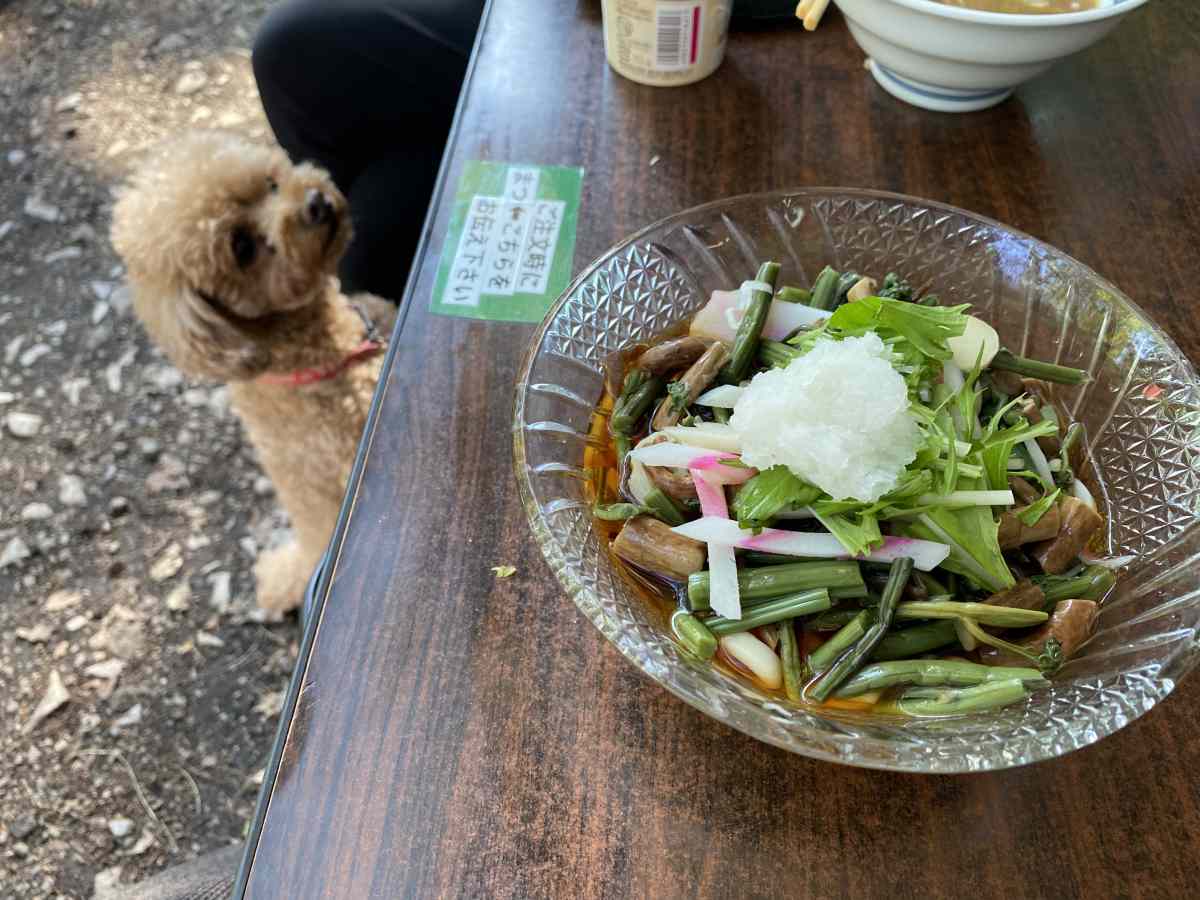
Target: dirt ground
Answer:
[[139, 691]]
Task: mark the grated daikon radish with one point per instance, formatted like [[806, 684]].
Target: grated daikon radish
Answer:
[[837, 417]]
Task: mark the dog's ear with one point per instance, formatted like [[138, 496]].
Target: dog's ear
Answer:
[[200, 339], [218, 344]]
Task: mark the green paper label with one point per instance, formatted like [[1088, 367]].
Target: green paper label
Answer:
[[511, 242]]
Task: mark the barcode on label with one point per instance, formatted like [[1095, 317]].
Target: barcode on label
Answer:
[[676, 36]]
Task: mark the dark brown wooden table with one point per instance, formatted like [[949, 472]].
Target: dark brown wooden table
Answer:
[[459, 735]]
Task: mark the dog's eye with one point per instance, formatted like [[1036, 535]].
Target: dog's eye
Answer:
[[244, 247], [272, 185]]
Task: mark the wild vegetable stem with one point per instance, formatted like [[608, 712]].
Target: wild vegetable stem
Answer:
[[933, 672], [749, 332], [777, 610], [841, 579], [1034, 368], [926, 701], [909, 642], [853, 659]]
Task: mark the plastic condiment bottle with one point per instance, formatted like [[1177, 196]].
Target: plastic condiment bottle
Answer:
[[665, 42]]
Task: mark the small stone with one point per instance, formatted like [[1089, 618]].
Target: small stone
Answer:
[[270, 704], [33, 354], [219, 599], [12, 348], [201, 114], [230, 119], [121, 299], [16, 157], [60, 600], [169, 475], [98, 336], [22, 826], [73, 387], [36, 512], [191, 81], [23, 425], [170, 42], [116, 148], [83, 233], [126, 639], [102, 289], [76, 623], [168, 564], [7, 397], [218, 402], [144, 843], [71, 252], [180, 598], [149, 447], [6, 227], [20, 849], [118, 506], [120, 827], [69, 102], [263, 486], [99, 311], [35, 634], [106, 883], [204, 639], [112, 372], [195, 397], [162, 378], [55, 696], [37, 208], [131, 716], [15, 551], [70, 491], [109, 670]]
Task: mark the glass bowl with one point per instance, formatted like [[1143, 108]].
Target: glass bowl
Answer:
[[1141, 412]]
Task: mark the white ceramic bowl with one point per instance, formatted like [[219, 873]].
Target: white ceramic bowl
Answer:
[[951, 59]]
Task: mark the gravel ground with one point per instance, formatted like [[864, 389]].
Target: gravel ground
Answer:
[[139, 689]]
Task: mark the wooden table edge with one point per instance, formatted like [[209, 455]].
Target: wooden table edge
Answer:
[[337, 539]]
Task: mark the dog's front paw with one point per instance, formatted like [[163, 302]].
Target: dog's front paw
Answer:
[[282, 576], [382, 313]]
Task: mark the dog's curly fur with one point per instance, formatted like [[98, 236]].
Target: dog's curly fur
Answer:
[[233, 276]]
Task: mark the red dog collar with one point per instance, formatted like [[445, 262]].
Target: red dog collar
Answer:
[[363, 351]]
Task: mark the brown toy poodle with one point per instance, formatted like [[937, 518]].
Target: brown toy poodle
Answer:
[[231, 252]]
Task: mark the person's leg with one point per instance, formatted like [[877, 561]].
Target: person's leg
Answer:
[[379, 257], [366, 85]]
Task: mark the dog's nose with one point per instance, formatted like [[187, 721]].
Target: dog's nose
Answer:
[[317, 208]]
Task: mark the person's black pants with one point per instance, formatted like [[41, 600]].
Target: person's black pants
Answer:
[[367, 90]]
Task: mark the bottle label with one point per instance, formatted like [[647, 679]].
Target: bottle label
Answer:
[[665, 41]]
